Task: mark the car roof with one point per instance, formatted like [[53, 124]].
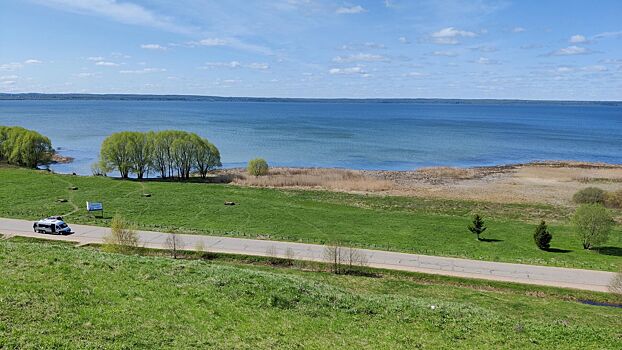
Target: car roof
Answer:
[[50, 221]]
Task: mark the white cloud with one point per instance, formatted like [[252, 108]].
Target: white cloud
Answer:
[[8, 82], [445, 53], [32, 61], [11, 66], [348, 71], [608, 35], [236, 64], [403, 40], [143, 71], [106, 64], [450, 35], [85, 75], [595, 68], [415, 74], [153, 47], [95, 58], [9, 77], [570, 51], [518, 29], [350, 10], [484, 60], [576, 39], [120, 11], [213, 42], [361, 57], [230, 42], [257, 65], [373, 45]]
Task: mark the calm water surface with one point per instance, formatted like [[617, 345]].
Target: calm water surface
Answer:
[[365, 135]]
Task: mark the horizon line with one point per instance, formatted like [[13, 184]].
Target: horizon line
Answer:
[[25, 95]]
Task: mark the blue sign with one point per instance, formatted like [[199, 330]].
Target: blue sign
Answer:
[[94, 206]]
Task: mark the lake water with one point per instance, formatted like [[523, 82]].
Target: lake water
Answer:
[[363, 135]]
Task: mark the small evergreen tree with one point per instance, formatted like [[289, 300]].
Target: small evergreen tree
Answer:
[[478, 226], [542, 236]]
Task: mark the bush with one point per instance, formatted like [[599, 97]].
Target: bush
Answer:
[[589, 195], [542, 236], [257, 167], [593, 223], [122, 237], [613, 199]]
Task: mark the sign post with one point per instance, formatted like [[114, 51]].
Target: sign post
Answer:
[[95, 206]]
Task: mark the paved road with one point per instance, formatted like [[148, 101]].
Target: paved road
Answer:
[[530, 274]]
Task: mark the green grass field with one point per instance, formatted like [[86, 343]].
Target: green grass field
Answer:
[[54, 295], [427, 226]]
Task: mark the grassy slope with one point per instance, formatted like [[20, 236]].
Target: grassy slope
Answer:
[[436, 227], [55, 295]]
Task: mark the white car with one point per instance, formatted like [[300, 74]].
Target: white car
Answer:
[[53, 224]]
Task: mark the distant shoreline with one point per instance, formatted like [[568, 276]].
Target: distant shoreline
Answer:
[[149, 97]]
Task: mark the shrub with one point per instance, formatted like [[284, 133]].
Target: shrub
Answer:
[[593, 223], [589, 195], [542, 236], [613, 199], [478, 226], [122, 237], [257, 167], [174, 243]]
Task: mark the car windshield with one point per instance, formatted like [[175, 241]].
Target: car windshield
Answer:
[[62, 225]]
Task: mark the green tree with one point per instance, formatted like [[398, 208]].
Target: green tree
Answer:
[[184, 152], [542, 236], [257, 167], [593, 222], [162, 159], [24, 147], [116, 153], [207, 157], [478, 226], [140, 153]]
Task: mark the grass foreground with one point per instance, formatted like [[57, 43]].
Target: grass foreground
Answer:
[[415, 225], [55, 295]]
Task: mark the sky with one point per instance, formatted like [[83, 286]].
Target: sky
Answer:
[[527, 49]]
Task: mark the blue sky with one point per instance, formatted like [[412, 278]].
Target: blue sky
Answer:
[[311, 48]]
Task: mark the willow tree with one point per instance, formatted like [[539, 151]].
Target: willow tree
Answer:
[[207, 157], [24, 147], [184, 152], [139, 148], [116, 153]]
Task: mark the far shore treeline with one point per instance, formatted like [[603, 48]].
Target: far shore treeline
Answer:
[[23, 147], [169, 153]]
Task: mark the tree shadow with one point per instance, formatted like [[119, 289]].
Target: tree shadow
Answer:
[[493, 240], [557, 250], [615, 251]]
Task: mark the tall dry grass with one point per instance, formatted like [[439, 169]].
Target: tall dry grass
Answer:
[[330, 179], [447, 173]]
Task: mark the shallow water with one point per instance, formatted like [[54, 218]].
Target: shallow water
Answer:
[[364, 135]]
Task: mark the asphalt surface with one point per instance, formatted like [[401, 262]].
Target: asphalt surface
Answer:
[[519, 273]]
